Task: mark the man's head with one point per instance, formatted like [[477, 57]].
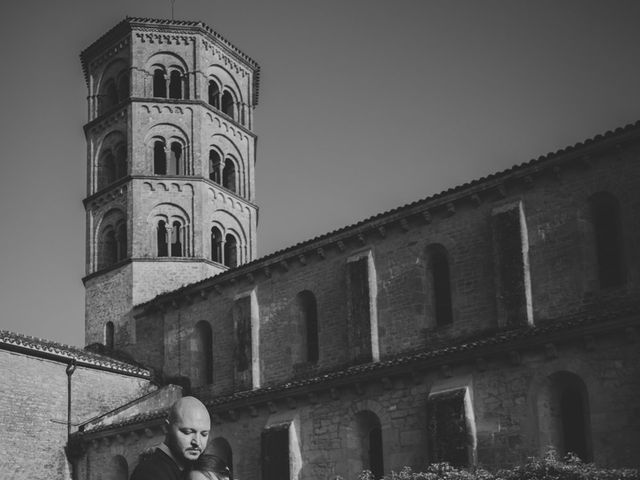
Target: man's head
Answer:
[[188, 429]]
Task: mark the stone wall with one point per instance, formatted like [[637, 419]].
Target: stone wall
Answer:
[[507, 400], [560, 266], [33, 411], [557, 278]]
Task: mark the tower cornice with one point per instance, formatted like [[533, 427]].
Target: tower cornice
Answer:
[[156, 27], [112, 115], [130, 260], [118, 188]]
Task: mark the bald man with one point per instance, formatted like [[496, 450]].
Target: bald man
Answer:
[[188, 427]]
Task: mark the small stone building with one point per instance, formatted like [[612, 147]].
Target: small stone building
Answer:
[[40, 380], [478, 326]]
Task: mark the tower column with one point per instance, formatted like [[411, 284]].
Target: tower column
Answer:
[[167, 158], [167, 239], [187, 247]]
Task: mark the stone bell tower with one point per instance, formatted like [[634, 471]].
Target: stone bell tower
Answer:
[[170, 166]]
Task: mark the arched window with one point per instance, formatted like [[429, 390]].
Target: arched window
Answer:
[[109, 96], [112, 94], [228, 104], [230, 251], [175, 159], [118, 468], [107, 240], [241, 314], [121, 162], [451, 427], [216, 245], [438, 265], [108, 251], [159, 84], [175, 85], [306, 304], [229, 175], [376, 464], [123, 87], [214, 166], [108, 335], [214, 94], [159, 158], [368, 437], [605, 215], [106, 170], [203, 354], [176, 239], [563, 415], [276, 453], [221, 448], [161, 239], [121, 240]]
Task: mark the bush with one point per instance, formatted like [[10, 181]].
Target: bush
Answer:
[[570, 468], [549, 467]]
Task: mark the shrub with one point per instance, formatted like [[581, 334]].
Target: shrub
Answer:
[[570, 468], [549, 467]]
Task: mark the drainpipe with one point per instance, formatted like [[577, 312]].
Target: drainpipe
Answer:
[[70, 369]]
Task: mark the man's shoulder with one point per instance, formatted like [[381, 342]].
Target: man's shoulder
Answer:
[[157, 466]]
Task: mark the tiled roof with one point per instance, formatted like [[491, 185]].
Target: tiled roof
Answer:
[[128, 23], [517, 171], [597, 320], [38, 347], [137, 419]]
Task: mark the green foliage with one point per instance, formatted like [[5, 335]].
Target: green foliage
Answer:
[[549, 467]]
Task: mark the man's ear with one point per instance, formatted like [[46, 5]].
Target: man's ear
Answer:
[[165, 426]]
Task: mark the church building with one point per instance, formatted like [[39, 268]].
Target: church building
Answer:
[[478, 326]]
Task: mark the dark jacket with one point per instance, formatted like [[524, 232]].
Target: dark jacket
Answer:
[[157, 466]]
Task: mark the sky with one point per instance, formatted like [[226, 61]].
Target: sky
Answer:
[[365, 105]]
